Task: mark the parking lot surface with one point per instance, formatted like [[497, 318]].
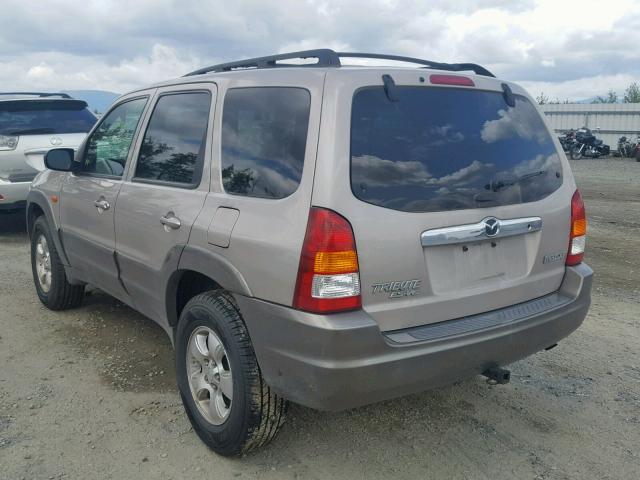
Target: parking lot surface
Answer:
[[90, 393]]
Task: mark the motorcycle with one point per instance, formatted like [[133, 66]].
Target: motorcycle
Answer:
[[567, 140], [626, 149], [587, 145], [629, 149], [636, 149]]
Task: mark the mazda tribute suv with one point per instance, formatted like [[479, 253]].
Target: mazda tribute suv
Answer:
[[324, 234]]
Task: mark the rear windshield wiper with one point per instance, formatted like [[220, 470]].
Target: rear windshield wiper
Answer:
[[501, 184], [30, 131]]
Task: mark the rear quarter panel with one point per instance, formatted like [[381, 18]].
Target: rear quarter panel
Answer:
[[267, 237]]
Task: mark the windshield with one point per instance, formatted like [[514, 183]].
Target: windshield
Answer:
[[441, 149], [41, 117]]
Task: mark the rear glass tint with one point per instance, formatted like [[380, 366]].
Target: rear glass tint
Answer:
[[438, 149], [42, 117], [264, 136], [173, 146]]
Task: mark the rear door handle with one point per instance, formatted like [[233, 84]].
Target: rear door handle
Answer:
[[170, 221], [102, 205]]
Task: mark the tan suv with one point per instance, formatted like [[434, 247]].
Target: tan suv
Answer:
[[319, 233]]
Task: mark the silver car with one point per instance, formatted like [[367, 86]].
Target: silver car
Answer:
[[32, 123], [319, 233]]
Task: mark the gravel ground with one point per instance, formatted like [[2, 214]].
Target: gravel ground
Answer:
[[90, 393]]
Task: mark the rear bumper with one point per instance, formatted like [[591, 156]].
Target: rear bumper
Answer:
[[333, 362], [13, 194]]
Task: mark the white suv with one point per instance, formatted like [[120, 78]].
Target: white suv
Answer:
[[32, 123]]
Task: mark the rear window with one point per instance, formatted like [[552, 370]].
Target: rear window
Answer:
[[41, 117], [438, 149]]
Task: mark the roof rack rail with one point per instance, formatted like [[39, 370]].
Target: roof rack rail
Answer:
[[326, 58], [454, 67], [329, 58], [38, 94]]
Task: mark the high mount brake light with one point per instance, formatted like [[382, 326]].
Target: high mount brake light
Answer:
[[578, 234], [328, 276], [451, 80]]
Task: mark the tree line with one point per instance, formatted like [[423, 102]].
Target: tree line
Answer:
[[631, 95]]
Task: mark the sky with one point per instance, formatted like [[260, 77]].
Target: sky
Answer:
[[567, 49]]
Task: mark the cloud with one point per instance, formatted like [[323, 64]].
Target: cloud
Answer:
[[120, 45], [39, 72], [465, 175], [582, 88], [376, 172], [444, 134], [549, 163], [66, 71], [520, 122]]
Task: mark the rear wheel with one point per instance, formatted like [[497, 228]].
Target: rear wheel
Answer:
[[49, 277], [229, 404]]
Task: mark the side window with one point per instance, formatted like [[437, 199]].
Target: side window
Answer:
[[264, 136], [107, 149], [173, 146]]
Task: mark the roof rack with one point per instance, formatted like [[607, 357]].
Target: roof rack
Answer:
[[329, 58], [38, 94]]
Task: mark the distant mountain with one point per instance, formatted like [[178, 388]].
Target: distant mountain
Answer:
[[593, 99], [99, 100], [587, 100]]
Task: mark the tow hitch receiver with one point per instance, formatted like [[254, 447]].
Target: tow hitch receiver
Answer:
[[497, 375]]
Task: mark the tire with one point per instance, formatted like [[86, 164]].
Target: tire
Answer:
[[55, 292], [254, 414], [576, 154]]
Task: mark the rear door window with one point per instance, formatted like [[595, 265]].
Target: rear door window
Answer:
[[42, 117], [172, 150], [438, 149], [264, 137]]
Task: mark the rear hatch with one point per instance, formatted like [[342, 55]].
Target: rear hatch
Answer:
[[31, 127], [459, 202]]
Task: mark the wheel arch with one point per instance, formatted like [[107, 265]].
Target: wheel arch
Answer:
[[199, 270], [34, 210], [37, 205]]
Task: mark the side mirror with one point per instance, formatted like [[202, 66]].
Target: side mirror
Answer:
[[60, 159]]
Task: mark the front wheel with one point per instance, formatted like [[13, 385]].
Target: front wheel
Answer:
[[49, 277], [576, 153], [229, 404]]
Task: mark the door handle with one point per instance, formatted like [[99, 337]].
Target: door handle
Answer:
[[170, 221], [102, 205]]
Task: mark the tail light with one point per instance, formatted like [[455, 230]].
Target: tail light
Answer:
[[578, 235], [451, 80], [328, 277]]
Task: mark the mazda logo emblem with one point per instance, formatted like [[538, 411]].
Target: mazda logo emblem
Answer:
[[56, 141], [491, 226]]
